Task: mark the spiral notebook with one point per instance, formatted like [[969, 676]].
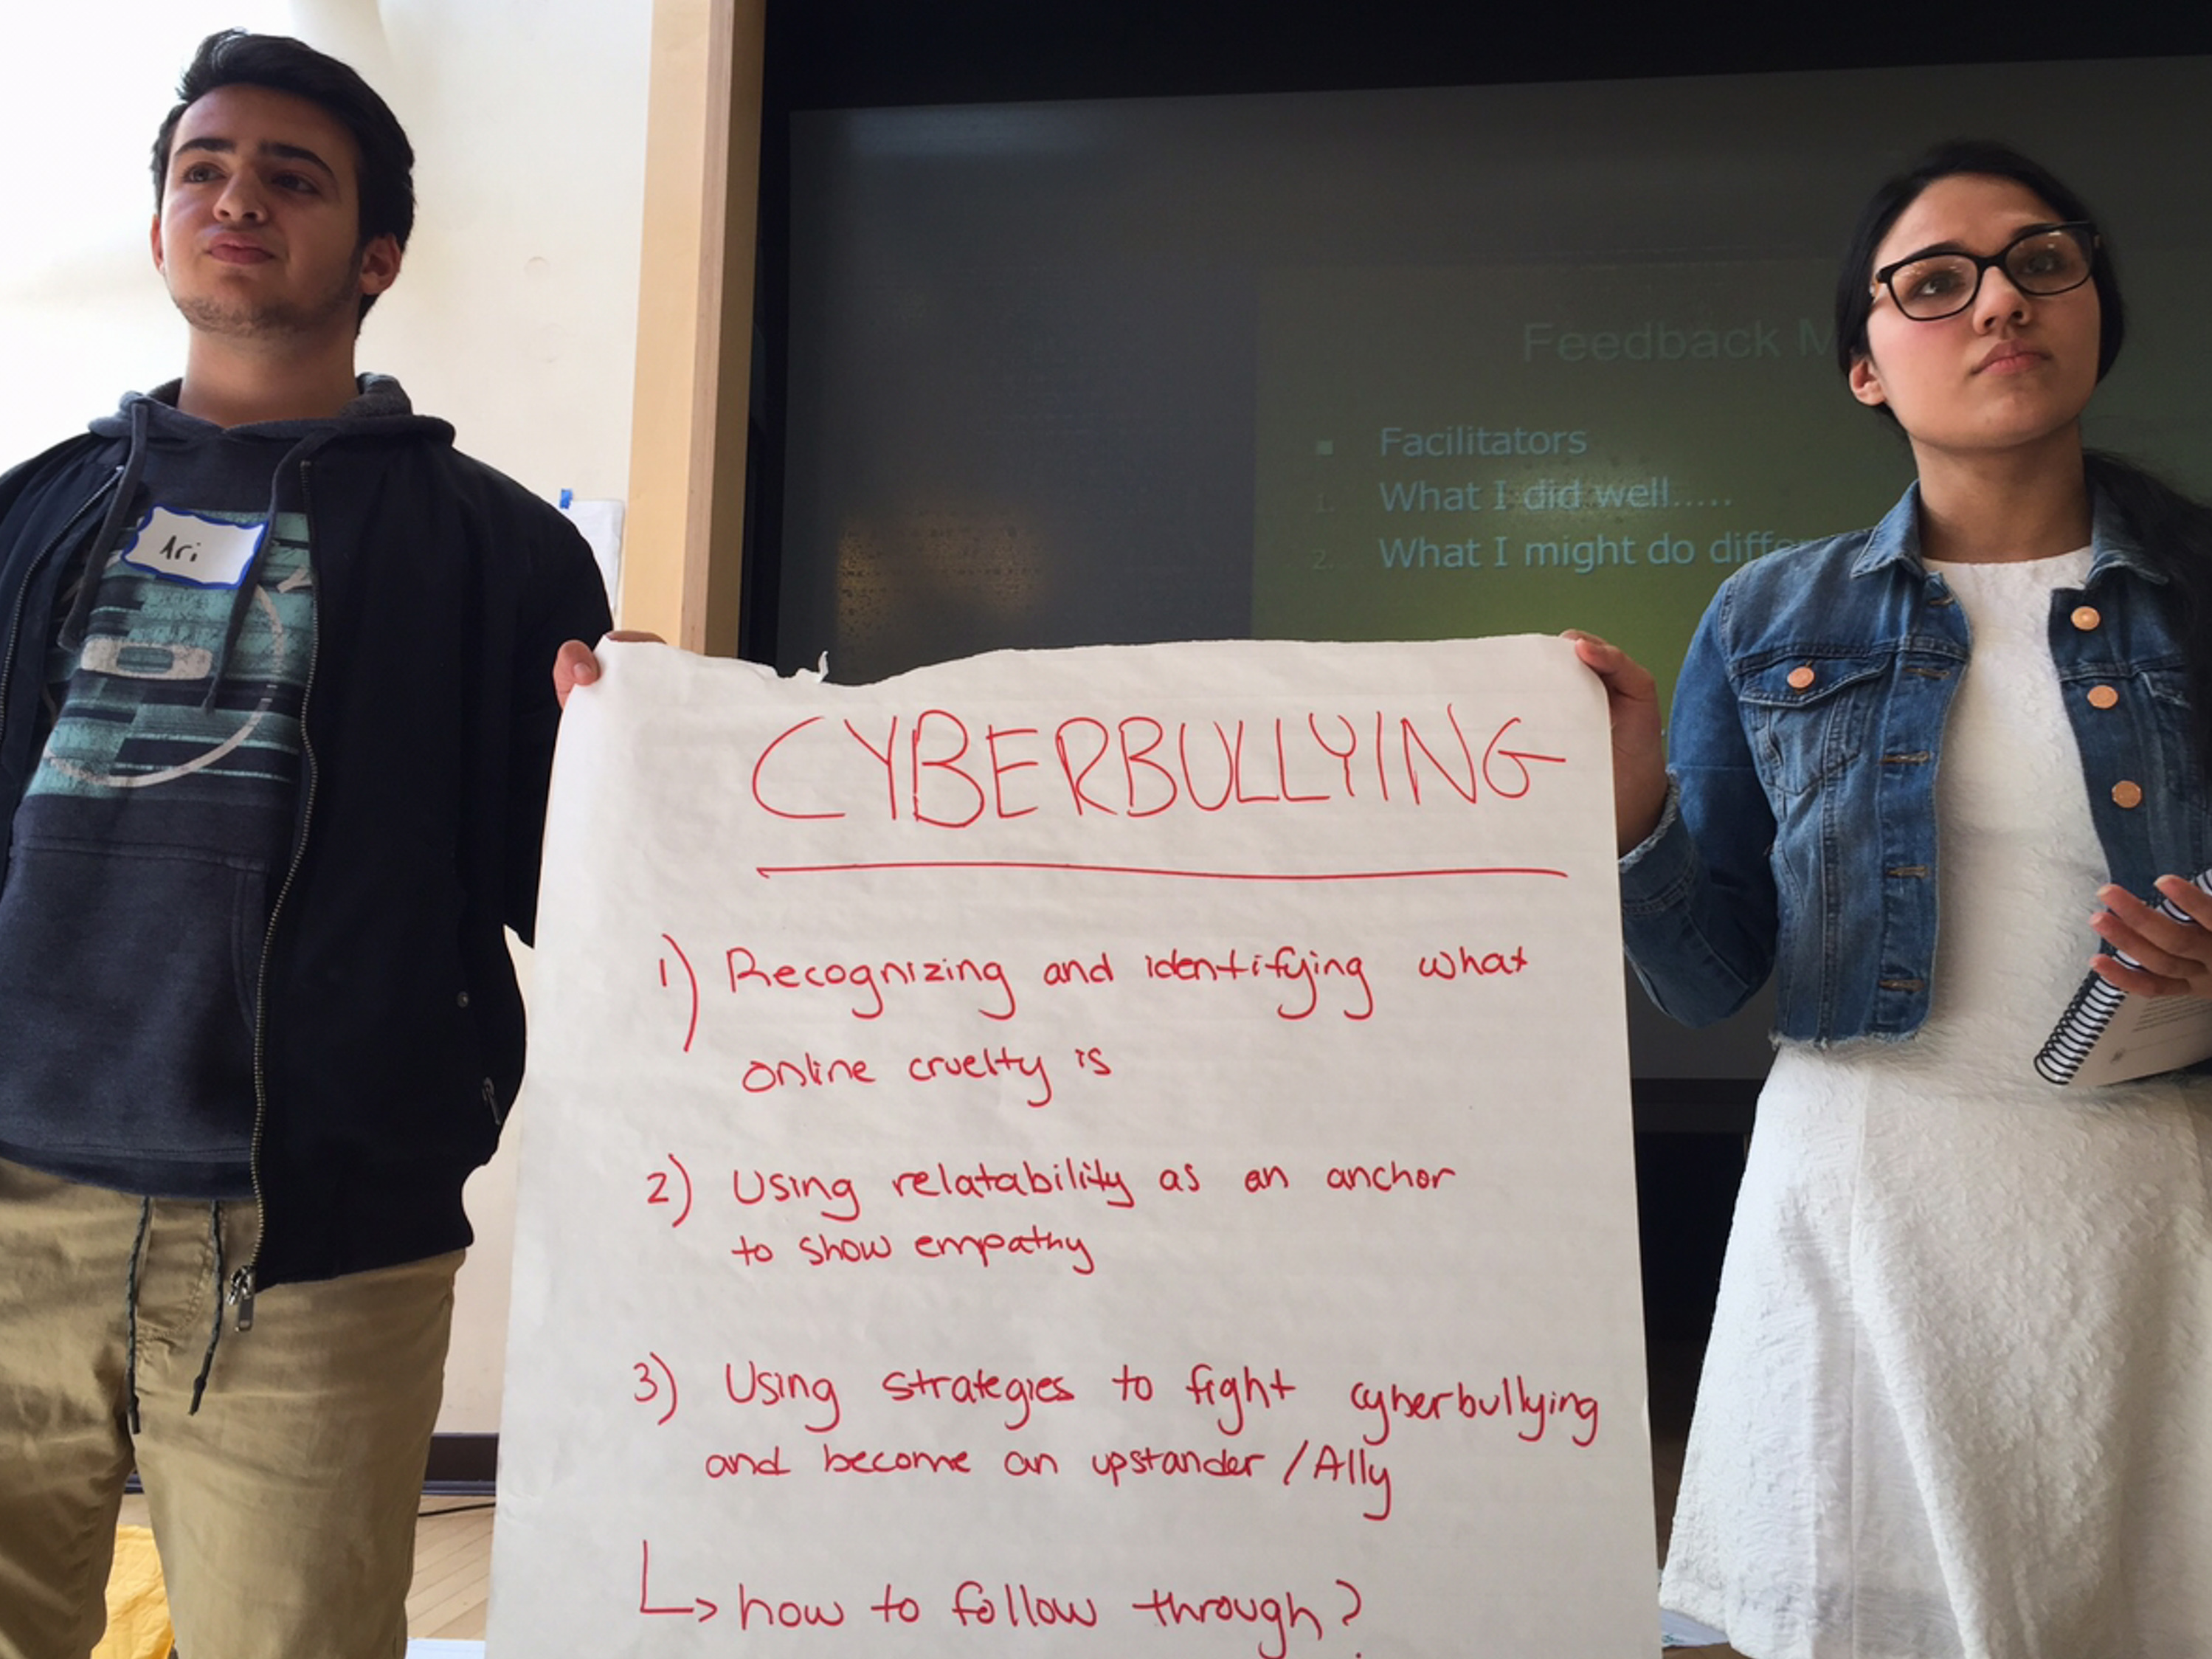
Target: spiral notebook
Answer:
[[2106, 1036]]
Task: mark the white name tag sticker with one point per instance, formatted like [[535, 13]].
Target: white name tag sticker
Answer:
[[187, 547]]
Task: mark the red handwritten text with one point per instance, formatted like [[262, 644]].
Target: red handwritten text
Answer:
[[722, 1466], [771, 1388], [980, 1387], [1038, 1240], [894, 1463], [773, 1187], [1018, 1605], [1461, 963], [869, 979], [986, 1063], [1232, 1392], [940, 770], [765, 1076], [1352, 1466], [819, 1248], [1029, 1181], [1221, 1464], [1302, 969], [1280, 1614], [1390, 1177], [784, 1615], [1531, 1410]]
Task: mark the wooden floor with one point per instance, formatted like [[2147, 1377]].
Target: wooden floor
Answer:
[[452, 1565], [452, 1570]]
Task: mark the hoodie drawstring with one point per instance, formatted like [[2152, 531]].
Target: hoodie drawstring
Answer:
[[120, 506], [131, 1310], [215, 1335], [249, 585]]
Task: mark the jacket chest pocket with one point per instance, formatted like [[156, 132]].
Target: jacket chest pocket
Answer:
[[1809, 718]]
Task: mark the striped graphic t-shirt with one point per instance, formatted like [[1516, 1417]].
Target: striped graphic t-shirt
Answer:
[[130, 701]]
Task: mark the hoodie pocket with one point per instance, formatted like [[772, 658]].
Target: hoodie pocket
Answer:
[[126, 990]]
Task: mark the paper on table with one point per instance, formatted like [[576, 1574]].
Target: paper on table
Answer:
[[1106, 1150]]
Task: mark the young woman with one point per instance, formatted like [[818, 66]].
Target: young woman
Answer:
[[1957, 1397]]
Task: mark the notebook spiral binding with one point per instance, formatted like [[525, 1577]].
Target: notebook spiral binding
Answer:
[[2094, 1005]]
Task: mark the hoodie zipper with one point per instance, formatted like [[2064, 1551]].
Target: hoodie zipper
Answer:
[[240, 1292], [23, 592]]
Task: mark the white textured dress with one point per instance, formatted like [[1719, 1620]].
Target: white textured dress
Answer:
[[1957, 1397]]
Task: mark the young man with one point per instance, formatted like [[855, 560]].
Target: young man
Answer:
[[276, 722]]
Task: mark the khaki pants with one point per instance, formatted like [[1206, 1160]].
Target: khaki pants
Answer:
[[284, 1508]]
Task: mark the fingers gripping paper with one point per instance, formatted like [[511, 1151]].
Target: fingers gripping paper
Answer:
[[1109, 1151]]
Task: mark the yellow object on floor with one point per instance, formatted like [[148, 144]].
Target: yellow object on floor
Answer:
[[138, 1606]]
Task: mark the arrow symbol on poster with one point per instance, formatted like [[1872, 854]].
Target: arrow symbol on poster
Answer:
[[702, 1607]]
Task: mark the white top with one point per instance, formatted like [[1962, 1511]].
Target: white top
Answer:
[[1957, 1397]]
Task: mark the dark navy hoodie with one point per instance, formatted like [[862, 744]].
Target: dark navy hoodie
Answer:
[[389, 1023]]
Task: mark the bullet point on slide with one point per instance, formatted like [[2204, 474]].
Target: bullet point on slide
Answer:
[[1324, 446]]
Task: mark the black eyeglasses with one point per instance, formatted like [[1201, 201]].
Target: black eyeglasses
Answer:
[[2042, 260]]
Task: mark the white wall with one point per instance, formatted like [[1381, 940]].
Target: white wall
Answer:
[[515, 315]]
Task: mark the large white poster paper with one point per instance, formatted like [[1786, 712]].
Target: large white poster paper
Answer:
[[1110, 1152]]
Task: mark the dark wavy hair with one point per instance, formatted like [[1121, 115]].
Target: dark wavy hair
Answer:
[[386, 176], [2173, 530], [1983, 158]]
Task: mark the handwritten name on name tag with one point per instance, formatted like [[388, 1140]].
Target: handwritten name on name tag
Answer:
[[187, 547]]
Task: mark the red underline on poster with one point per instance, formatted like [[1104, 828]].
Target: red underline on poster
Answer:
[[770, 871]]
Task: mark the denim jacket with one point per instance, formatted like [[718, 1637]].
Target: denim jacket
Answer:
[[1798, 835]]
